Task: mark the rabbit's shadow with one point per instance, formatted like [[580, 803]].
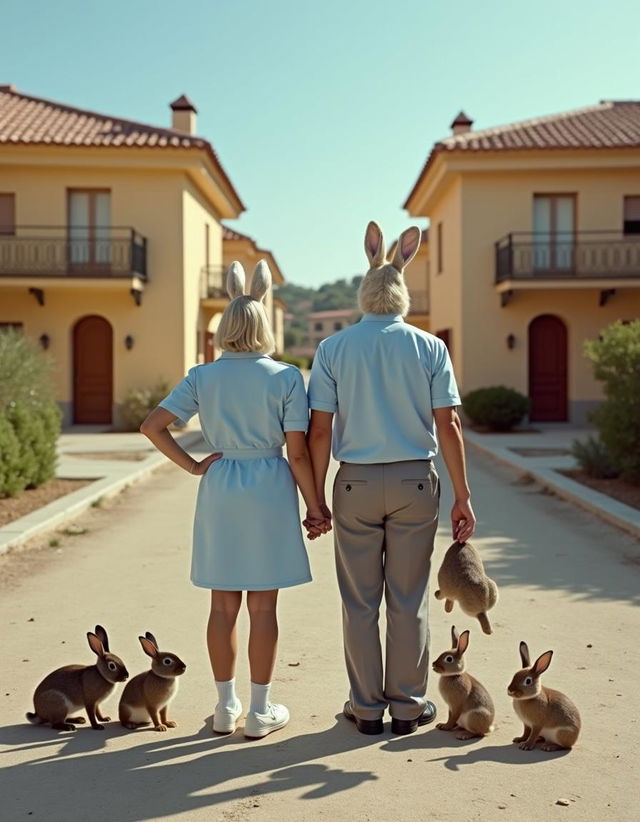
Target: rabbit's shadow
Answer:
[[475, 751]]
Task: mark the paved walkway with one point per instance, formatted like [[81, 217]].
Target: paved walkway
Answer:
[[567, 582]]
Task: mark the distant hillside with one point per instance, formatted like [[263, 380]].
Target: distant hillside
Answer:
[[301, 300]]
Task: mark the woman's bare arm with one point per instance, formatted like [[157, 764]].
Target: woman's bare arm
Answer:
[[300, 462], [155, 429]]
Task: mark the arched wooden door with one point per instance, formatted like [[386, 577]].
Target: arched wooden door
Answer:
[[547, 369], [92, 371]]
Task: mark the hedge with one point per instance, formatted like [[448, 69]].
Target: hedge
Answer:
[[496, 407]]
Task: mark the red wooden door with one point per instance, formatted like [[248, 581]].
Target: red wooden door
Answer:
[[92, 371], [547, 369], [209, 351]]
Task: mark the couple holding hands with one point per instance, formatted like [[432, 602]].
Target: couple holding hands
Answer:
[[379, 391]]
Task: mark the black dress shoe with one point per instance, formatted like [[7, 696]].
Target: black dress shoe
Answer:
[[401, 727], [365, 726]]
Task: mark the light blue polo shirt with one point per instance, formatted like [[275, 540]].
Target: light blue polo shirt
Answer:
[[382, 378]]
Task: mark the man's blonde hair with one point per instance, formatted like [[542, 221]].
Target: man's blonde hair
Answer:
[[244, 327]]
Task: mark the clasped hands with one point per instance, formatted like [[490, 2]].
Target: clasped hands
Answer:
[[317, 522]]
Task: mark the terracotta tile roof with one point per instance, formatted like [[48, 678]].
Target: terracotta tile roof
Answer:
[[611, 124], [28, 120], [231, 234]]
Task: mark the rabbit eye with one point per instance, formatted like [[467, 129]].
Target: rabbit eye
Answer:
[[448, 658], [528, 681], [167, 661], [112, 666]]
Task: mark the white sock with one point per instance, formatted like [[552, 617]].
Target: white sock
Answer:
[[227, 693], [259, 698]]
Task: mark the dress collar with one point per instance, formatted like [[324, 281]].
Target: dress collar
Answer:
[[382, 318], [241, 355]]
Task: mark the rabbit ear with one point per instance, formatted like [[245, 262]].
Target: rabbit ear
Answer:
[[454, 636], [260, 281], [235, 280], [542, 663], [524, 655], [463, 642], [151, 638], [374, 245], [102, 635], [148, 647], [407, 247], [95, 643]]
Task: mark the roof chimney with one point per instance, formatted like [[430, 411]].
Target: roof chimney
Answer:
[[8, 87], [462, 124], [183, 116]]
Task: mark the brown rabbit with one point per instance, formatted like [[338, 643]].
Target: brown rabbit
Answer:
[[549, 716], [69, 689], [471, 710], [461, 577], [146, 698]]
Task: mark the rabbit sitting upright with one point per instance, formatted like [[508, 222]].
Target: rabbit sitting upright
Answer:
[[548, 716], [69, 689], [146, 698], [471, 711], [462, 577]]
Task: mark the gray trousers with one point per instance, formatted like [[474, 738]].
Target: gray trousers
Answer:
[[385, 520]]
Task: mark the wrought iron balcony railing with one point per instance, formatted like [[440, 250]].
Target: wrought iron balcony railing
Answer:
[[72, 251], [563, 255], [419, 301], [212, 283]]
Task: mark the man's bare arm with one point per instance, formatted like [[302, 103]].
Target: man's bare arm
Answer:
[[319, 441], [449, 426]]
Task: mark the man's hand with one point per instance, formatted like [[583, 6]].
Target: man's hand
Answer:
[[200, 468], [317, 522], [463, 520]]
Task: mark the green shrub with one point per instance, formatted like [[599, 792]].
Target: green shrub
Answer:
[[300, 362], [593, 457], [29, 415], [497, 407], [616, 362], [140, 401]]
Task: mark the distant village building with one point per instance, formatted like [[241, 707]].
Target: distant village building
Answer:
[[322, 324]]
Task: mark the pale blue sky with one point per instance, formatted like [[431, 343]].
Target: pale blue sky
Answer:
[[323, 112]]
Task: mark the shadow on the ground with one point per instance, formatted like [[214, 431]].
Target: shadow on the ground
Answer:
[[538, 540], [166, 774]]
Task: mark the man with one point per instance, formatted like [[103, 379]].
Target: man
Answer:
[[389, 386]]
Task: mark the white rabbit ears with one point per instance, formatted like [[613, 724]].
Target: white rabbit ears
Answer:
[[406, 248], [259, 285]]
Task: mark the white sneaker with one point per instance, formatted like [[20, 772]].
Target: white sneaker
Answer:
[[258, 725], [225, 718]]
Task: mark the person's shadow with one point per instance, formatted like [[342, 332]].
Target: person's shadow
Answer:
[[167, 775]]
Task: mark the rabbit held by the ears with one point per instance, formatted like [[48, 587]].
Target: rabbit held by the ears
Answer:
[[471, 711], [70, 689], [548, 716], [462, 579], [147, 696]]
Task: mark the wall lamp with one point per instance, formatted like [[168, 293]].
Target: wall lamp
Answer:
[[44, 340], [511, 341], [128, 342]]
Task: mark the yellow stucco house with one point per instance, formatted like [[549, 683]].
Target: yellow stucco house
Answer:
[[534, 246], [111, 246]]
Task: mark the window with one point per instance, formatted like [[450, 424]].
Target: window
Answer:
[[337, 326], [89, 227], [7, 214], [439, 249], [554, 225], [631, 214], [317, 327], [207, 246]]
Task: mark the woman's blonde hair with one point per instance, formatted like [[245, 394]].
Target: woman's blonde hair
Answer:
[[244, 326]]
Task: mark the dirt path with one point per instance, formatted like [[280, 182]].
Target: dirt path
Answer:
[[567, 582]]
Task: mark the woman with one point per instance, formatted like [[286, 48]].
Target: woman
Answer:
[[247, 533]]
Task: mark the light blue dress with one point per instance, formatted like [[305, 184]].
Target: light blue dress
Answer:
[[247, 534]]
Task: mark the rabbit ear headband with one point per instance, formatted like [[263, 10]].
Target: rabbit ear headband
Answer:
[[259, 285], [406, 247]]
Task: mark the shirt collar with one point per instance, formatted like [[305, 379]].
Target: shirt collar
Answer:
[[382, 318], [241, 355]]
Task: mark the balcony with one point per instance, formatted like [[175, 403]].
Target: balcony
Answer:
[[419, 301], [51, 252], [213, 293]]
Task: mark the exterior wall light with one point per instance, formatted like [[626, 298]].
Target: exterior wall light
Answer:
[[44, 340], [128, 342], [511, 341]]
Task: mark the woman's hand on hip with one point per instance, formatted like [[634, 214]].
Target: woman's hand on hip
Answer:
[[201, 467]]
